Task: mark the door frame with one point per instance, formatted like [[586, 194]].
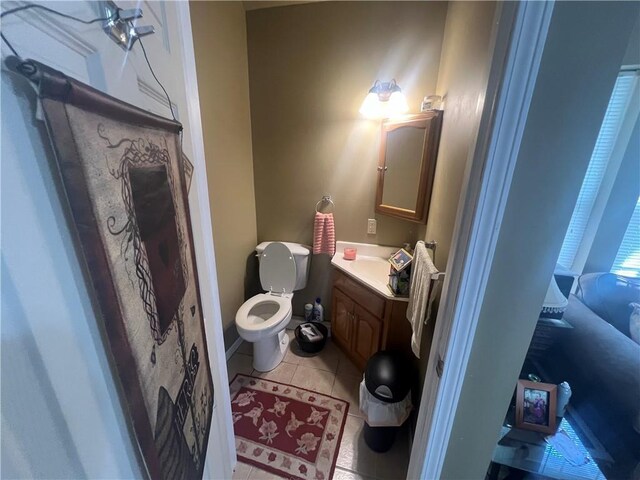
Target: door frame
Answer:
[[519, 37], [205, 252]]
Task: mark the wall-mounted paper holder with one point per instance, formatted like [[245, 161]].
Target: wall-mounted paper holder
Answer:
[[120, 27]]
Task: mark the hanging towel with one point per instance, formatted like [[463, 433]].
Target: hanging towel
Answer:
[[324, 234], [419, 293]]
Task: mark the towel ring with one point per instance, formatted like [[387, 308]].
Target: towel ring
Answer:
[[325, 199]]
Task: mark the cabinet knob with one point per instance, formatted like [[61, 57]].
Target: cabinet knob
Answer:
[[382, 169]]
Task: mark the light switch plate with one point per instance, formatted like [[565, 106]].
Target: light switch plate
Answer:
[[372, 225]]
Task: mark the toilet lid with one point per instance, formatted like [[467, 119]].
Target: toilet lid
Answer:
[[277, 268]]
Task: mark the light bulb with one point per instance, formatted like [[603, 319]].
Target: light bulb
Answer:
[[397, 104], [371, 106]]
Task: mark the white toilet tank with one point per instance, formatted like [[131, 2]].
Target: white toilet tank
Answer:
[[300, 254]]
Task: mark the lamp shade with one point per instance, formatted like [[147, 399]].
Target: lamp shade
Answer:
[[371, 107], [384, 100], [555, 303], [398, 103]]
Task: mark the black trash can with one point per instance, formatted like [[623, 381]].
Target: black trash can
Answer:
[[387, 378], [311, 336]]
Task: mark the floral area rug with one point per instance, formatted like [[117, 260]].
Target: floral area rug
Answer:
[[286, 430]]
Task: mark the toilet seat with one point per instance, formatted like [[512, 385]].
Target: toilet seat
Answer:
[[278, 269], [262, 315]]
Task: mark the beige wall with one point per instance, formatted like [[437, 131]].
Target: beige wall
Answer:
[[310, 68], [462, 82], [219, 37]]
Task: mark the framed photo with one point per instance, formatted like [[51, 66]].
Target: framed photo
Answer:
[[401, 259], [536, 406]]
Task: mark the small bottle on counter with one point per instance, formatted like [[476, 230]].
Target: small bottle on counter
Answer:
[[318, 311]]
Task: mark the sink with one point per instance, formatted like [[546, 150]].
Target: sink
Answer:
[[375, 269], [371, 266]]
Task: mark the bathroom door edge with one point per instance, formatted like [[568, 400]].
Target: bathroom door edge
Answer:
[[221, 441], [520, 31]]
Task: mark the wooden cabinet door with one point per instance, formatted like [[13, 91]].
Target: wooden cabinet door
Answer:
[[342, 324], [367, 335]]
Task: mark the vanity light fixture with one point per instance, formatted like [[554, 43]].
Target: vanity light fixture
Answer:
[[384, 100]]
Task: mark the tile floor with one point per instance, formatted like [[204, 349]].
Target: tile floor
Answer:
[[332, 373]]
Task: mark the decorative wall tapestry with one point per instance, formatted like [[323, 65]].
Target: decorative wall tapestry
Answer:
[[124, 177]]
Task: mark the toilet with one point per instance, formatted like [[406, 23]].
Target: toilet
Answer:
[[261, 320]]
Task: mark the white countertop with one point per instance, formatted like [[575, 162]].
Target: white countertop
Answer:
[[371, 266]]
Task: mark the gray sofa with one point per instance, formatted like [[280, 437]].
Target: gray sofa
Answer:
[[600, 344], [601, 361]]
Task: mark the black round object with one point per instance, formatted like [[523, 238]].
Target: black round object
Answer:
[[379, 439], [388, 377], [312, 347]]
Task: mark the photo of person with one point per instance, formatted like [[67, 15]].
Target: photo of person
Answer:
[[536, 406]]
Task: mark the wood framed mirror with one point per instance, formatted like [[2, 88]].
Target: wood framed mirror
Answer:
[[408, 153]]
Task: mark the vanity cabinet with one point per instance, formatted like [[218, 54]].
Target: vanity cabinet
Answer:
[[367, 335], [343, 315], [364, 322]]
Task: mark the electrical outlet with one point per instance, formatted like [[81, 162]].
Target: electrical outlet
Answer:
[[372, 224]]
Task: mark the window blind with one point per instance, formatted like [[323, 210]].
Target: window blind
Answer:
[[627, 260], [605, 143]]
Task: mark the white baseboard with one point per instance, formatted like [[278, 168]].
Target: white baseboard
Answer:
[[233, 348]]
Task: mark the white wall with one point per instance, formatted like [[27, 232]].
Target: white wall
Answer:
[[583, 53], [61, 416]]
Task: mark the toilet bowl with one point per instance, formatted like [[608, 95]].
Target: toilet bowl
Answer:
[[261, 320]]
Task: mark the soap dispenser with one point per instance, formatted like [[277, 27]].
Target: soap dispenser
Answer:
[[318, 311]]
